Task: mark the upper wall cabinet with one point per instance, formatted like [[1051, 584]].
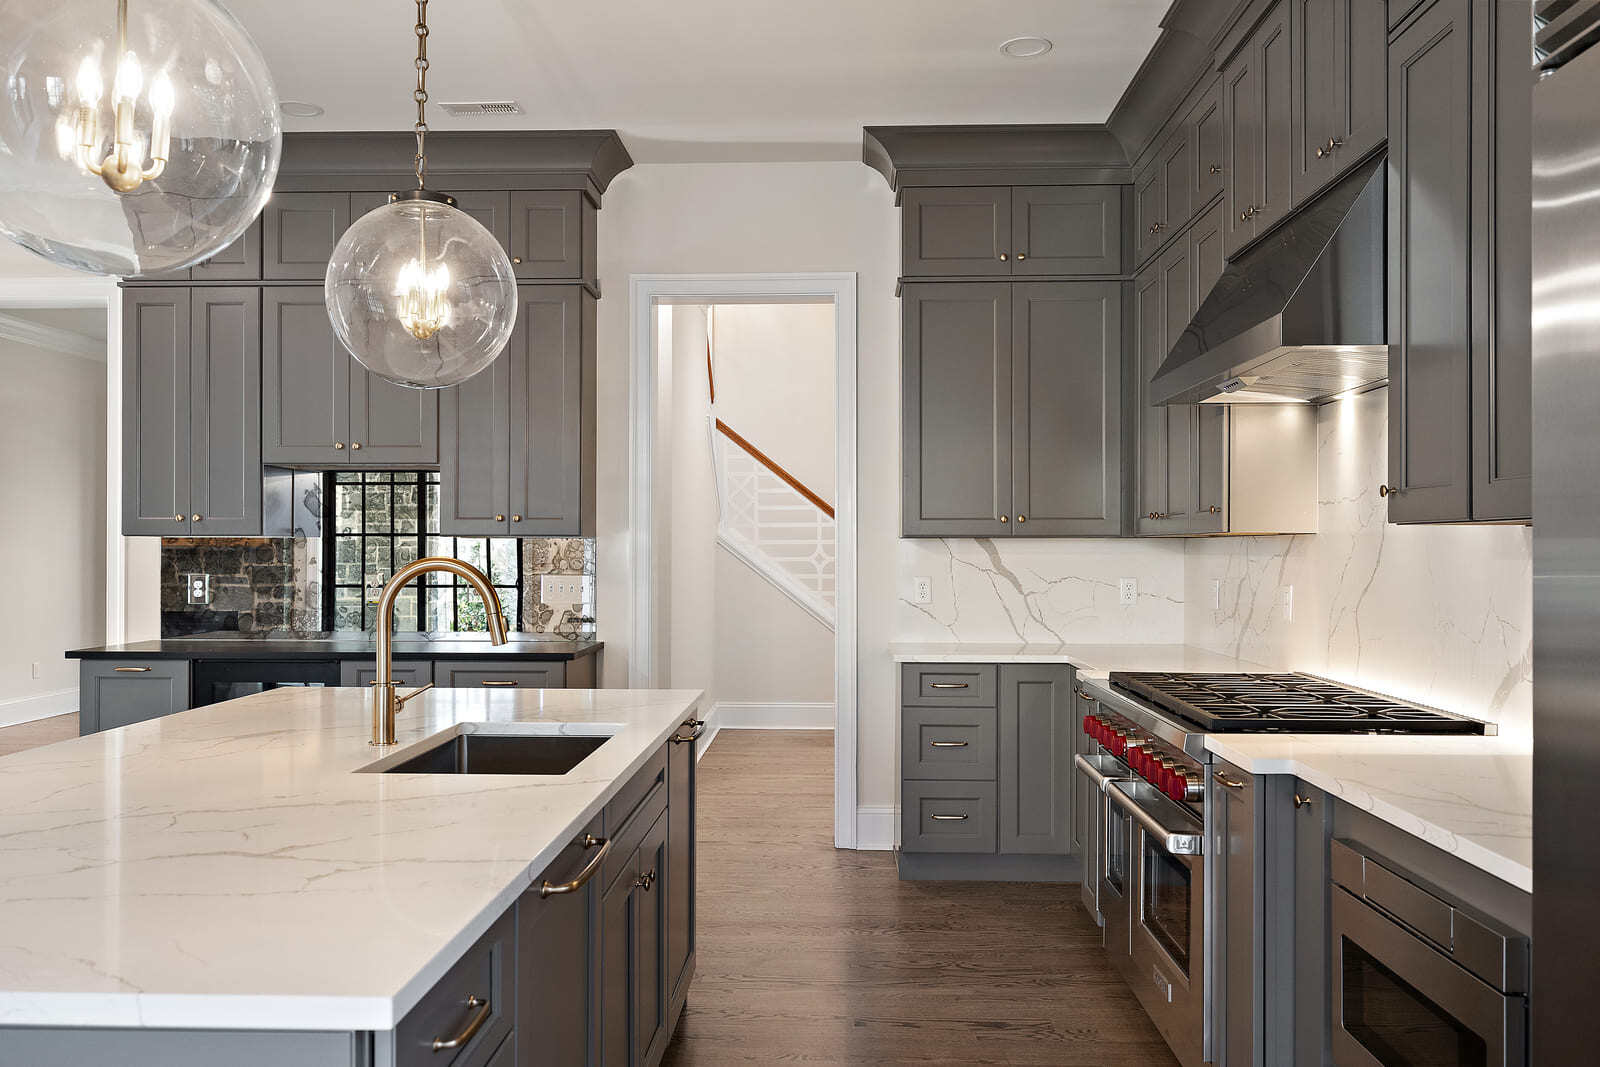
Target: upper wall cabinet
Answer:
[[240, 261], [191, 418], [1339, 104], [1185, 174], [517, 440], [299, 232], [1012, 409], [999, 231], [1256, 84], [1460, 400], [321, 408], [552, 235]]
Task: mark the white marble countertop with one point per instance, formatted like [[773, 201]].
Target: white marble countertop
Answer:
[[225, 867], [1471, 796], [1092, 660]]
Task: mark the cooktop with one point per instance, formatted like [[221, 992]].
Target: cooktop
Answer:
[[1285, 703]]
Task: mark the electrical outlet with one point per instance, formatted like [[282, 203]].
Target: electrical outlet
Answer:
[[1286, 600], [922, 590], [559, 589], [197, 588], [1128, 590], [1216, 594], [36, 668]]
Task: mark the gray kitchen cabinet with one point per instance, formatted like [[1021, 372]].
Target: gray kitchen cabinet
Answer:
[[956, 409], [1066, 409], [492, 674], [558, 959], [115, 693], [299, 232], [191, 412], [239, 261], [1207, 260], [634, 1007], [1149, 204], [954, 817], [1313, 829], [1433, 229], [321, 408], [949, 744], [518, 440], [482, 980], [955, 232], [1339, 106], [1234, 895], [616, 979], [552, 235], [1035, 775], [1162, 295], [1175, 160], [405, 671], [1012, 409], [682, 849], [1066, 229], [492, 209], [1256, 89], [1208, 135]]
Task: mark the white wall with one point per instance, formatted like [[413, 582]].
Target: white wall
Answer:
[[52, 523], [763, 218]]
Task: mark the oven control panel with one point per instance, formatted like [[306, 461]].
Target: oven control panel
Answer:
[[1174, 774]]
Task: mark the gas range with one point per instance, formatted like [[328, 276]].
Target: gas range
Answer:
[[1285, 703]]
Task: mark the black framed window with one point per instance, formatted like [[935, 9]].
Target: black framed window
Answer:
[[375, 522]]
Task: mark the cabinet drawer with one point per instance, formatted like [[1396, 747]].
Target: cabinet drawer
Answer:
[[470, 1004], [406, 671], [628, 833], [947, 685], [948, 743], [113, 693], [947, 817], [488, 674]]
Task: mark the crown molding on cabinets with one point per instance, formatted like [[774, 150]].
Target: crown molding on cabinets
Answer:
[[519, 159], [909, 156]]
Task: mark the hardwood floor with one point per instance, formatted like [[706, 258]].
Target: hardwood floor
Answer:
[[39, 732], [808, 954]]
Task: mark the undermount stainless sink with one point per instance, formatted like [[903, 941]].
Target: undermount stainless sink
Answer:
[[496, 753]]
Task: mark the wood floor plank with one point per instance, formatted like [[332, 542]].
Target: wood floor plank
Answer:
[[39, 732], [810, 955]]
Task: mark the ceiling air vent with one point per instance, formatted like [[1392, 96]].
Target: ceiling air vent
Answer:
[[469, 108]]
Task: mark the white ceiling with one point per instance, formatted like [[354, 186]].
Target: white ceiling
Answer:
[[707, 79]]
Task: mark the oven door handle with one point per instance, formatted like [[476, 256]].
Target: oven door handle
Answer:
[[1178, 842], [1097, 778]]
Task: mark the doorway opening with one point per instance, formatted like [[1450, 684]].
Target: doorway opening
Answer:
[[742, 508]]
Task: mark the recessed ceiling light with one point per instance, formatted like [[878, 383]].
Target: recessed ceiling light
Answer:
[[1026, 47], [299, 109]]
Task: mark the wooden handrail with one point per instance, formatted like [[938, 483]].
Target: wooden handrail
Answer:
[[766, 461]]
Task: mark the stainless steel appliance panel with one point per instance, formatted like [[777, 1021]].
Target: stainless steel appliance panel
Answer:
[[1094, 770]]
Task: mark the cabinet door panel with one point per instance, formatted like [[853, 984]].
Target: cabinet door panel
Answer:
[[391, 424], [1149, 347], [616, 955], [1035, 775], [1242, 119], [1067, 229], [949, 232], [1177, 165], [548, 413], [1206, 263], [557, 961], [956, 392], [1316, 100], [156, 339], [650, 942], [679, 881], [1149, 207], [546, 235], [225, 412], [1430, 224], [299, 232], [113, 694], [1364, 50], [1209, 138], [1177, 290], [1067, 408], [305, 380], [1277, 140], [240, 261], [491, 209], [475, 450]]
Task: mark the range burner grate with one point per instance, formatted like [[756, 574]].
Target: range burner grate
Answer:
[[1285, 703]]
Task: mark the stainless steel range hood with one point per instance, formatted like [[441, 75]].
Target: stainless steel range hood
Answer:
[[1297, 318]]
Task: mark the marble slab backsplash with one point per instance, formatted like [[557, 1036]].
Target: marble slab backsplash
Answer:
[[998, 590], [1437, 614]]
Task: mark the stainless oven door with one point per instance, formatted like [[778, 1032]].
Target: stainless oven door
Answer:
[[1093, 771], [1167, 928], [1400, 1002]]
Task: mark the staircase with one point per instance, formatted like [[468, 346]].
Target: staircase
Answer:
[[773, 524]]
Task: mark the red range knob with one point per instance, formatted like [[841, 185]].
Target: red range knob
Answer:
[[1170, 780], [1180, 786], [1087, 720]]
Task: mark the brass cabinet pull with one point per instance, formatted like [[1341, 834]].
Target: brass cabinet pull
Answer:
[[1004, 519], [474, 1024], [1224, 780], [194, 518], [338, 446], [948, 744], [1002, 257], [1388, 490], [1301, 802], [177, 518], [696, 728], [516, 259], [131, 670], [1214, 509], [516, 518], [1021, 256], [498, 681], [499, 518], [947, 685], [947, 818], [356, 445], [1321, 151], [1214, 169], [646, 880], [590, 869], [1022, 518]]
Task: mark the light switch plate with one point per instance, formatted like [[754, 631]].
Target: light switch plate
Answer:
[[922, 590], [563, 589], [1287, 601], [1216, 594], [197, 588], [1128, 590]]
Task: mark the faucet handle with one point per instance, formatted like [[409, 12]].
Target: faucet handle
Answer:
[[401, 701]]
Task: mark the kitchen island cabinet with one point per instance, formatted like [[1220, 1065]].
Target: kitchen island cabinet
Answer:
[[366, 955]]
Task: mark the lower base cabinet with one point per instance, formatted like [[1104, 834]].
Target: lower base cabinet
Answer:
[[113, 693]]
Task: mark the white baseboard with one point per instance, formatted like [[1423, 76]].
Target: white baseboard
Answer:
[[875, 828], [39, 706]]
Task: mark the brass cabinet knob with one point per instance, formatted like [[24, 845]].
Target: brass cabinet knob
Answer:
[[516, 259], [1002, 257], [1301, 801], [1214, 169], [1003, 519], [1021, 256], [1022, 518], [338, 446], [1321, 151], [1214, 509], [356, 445], [516, 518], [1334, 142], [177, 518], [1388, 490], [499, 518], [194, 518]]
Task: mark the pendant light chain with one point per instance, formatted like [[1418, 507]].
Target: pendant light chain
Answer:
[[421, 161]]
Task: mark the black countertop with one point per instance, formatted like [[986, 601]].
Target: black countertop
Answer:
[[343, 646]]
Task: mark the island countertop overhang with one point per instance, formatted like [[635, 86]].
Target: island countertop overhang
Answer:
[[230, 868]]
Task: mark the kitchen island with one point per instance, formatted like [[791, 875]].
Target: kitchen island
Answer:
[[236, 883]]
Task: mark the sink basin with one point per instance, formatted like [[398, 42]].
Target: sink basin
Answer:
[[488, 753]]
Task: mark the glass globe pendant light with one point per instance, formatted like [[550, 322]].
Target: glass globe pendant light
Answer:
[[136, 136], [418, 290]]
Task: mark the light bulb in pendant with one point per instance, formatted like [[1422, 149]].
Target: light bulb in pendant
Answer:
[[424, 305]]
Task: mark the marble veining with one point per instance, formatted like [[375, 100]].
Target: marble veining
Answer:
[[1470, 796], [229, 866]]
